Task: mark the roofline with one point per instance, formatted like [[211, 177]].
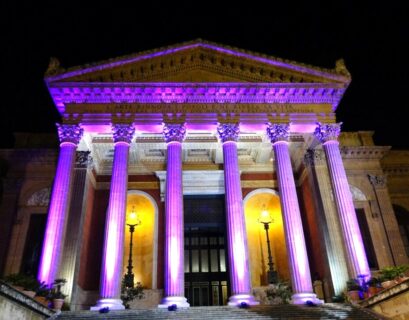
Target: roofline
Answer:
[[274, 61]]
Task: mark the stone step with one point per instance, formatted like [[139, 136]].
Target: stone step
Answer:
[[327, 311]]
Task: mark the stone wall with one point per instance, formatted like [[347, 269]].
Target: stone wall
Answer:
[[16, 305]]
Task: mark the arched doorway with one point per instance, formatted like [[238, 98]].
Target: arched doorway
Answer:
[[254, 203], [145, 238]]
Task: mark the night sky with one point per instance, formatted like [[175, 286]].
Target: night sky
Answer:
[[373, 40]]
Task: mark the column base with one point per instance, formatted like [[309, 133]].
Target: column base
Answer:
[[238, 299], [112, 304], [304, 298], [181, 302]]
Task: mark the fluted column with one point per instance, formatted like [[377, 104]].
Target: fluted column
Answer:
[[174, 291], [240, 285], [70, 136], [112, 260], [396, 246], [293, 229], [356, 257]]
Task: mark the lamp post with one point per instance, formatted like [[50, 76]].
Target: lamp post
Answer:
[[133, 222], [266, 219]]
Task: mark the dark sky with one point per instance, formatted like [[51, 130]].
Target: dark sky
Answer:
[[373, 40]]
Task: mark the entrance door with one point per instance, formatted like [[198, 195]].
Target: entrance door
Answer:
[[206, 278]]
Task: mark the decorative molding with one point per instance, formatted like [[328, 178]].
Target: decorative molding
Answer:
[[327, 132], [278, 132], [83, 159], [357, 194], [126, 93], [363, 152], [70, 133], [123, 132], [174, 132], [378, 181], [228, 131], [40, 198]]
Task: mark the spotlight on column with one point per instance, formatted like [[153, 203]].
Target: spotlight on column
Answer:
[[133, 221], [265, 219]]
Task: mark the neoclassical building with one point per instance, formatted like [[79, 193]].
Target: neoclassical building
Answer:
[[198, 140]]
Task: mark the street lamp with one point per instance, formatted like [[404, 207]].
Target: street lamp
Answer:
[[266, 219], [133, 222]]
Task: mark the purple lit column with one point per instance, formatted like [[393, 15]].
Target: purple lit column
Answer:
[[174, 292], [70, 136], [240, 285], [112, 260], [293, 229], [356, 257]]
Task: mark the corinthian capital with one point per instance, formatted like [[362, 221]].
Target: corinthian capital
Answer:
[[70, 133], [174, 132], [123, 132], [327, 132], [278, 132], [228, 131], [377, 181]]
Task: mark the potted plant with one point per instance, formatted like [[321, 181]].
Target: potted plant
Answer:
[[22, 282], [56, 296], [42, 294], [392, 275], [353, 289], [373, 286]]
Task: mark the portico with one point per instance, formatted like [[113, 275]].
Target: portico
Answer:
[[199, 107]]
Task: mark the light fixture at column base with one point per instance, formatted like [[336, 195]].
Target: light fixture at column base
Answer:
[[112, 304], [305, 298], [180, 302], [238, 299]]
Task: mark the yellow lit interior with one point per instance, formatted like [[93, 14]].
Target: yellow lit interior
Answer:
[[142, 257], [256, 236]]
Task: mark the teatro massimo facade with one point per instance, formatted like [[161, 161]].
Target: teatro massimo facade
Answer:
[[198, 141]]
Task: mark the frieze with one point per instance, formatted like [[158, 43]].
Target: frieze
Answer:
[[149, 108], [363, 152], [216, 93]]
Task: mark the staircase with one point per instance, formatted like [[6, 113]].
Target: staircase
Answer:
[[282, 312]]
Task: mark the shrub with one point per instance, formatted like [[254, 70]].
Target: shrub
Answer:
[[129, 294]]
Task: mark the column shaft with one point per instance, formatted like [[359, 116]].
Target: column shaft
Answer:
[[357, 262], [174, 290], [294, 234], [57, 215], [236, 228], [112, 262]]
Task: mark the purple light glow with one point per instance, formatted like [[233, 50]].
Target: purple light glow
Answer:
[[174, 279], [159, 93], [356, 257], [70, 136], [236, 229], [112, 261], [294, 234]]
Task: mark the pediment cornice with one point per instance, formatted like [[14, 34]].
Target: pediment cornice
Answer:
[[182, 61]]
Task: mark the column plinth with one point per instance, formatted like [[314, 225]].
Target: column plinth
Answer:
[[293, 229], [240, 285], [112, 263], [357, 261], [70, 135], [174, 291]]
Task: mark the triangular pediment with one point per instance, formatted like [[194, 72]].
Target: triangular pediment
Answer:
[[198, 61]]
